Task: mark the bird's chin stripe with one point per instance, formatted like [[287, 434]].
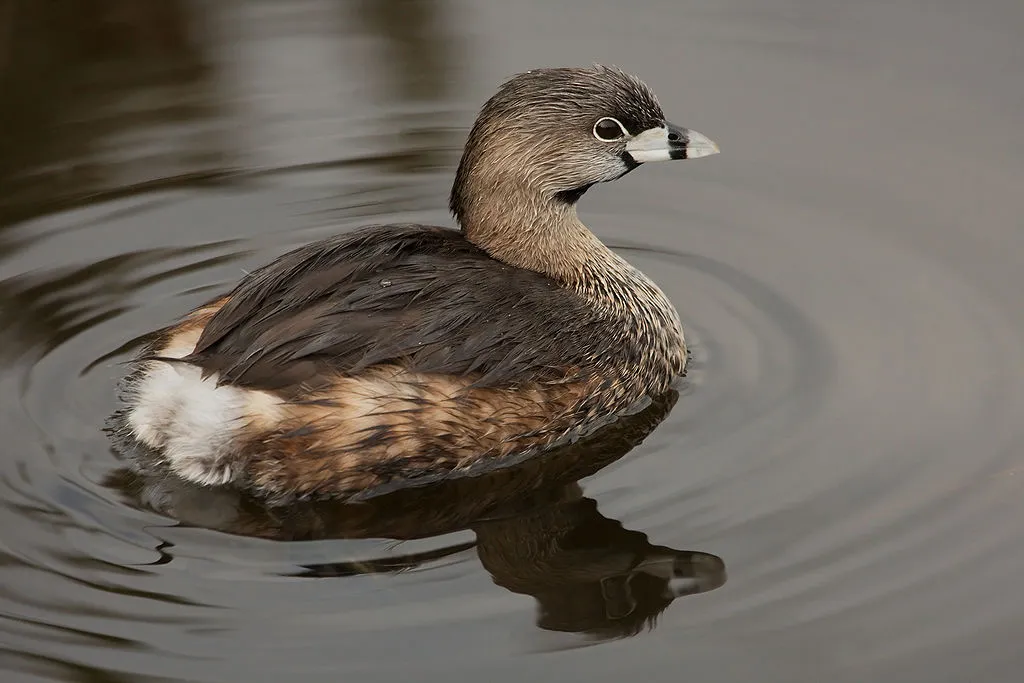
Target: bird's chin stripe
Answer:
[[629, 162]]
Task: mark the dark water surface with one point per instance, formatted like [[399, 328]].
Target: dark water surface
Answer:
[[848, 451]]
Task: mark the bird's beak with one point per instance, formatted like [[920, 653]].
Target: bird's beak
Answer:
[[669, 141]]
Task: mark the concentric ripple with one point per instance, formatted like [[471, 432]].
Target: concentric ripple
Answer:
[[760, 464], [833, 495]]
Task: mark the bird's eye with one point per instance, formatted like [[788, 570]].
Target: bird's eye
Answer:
[[609, 129]]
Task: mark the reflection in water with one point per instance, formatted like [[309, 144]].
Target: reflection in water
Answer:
[[820, 274], [41, 311], [103, 95], [587, 573], [100, 94], [418, 53], [419, 56], [535, 531]]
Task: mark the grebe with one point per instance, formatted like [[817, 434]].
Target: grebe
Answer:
[[397, 351]]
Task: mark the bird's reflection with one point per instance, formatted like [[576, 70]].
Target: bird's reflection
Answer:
[[536, 533]]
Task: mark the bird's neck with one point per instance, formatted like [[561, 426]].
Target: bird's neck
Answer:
[[545, 235], [539, 233]]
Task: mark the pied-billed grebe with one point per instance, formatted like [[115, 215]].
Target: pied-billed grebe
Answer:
[[403, 350]]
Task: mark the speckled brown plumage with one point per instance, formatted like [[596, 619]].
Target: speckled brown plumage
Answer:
[[400, 351]]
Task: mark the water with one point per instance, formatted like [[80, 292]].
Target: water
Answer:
[[836, 494]]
